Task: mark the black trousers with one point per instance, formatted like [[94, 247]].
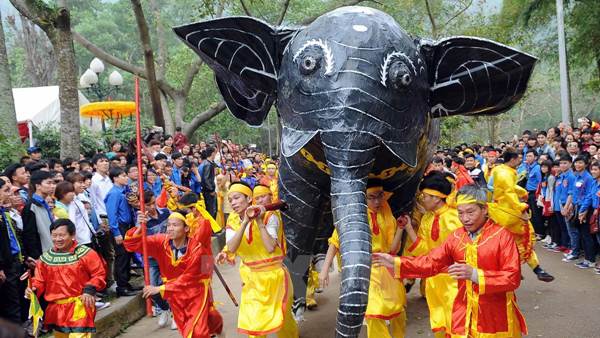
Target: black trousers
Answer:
[[536, 214], [10, 298], [122, 265], [211, 203]]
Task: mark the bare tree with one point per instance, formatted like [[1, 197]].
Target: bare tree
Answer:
[[40, 63], [56, 23], [7, 105]]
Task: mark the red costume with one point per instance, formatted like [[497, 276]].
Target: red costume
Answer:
[[62, 277], [186, 280], [487, 308]]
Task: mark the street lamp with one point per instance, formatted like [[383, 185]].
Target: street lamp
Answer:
[[89, 81]]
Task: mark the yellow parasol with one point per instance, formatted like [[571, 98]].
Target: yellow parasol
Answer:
[[108, 109]]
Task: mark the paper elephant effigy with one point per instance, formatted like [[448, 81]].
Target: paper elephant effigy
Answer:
[[357, 97]]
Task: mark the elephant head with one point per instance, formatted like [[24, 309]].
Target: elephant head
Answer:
[[359, 83]]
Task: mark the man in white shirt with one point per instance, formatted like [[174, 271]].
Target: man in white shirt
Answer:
[[101, 183]]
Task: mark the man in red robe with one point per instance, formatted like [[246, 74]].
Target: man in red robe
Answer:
[[186, 265], [68, 275], [483, 257]]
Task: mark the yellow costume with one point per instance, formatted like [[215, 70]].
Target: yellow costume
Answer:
[[266, 300], [387, 297], [441, 289], [507, 211]]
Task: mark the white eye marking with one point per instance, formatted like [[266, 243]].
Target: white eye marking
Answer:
[[386, 63], [326, 52], [360, 28]]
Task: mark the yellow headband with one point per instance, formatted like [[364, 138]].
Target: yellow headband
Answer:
[[271, 166], [434, 193], [178, 216], [261, 190], [242, 189], [466, 199], [374, 189]]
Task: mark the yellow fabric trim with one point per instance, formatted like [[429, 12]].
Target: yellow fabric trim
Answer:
[[78, 311], [466, 199], [434, 193], [178, 216], [162, 289], [242, 189], [481, 281], [261, 190]]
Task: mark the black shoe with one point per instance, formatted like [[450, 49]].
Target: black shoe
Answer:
[[544, 276], [126, 293]]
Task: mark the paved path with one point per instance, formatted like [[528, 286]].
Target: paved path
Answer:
[[567, 307]]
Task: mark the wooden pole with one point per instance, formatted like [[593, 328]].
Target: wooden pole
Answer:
[[138, 136]]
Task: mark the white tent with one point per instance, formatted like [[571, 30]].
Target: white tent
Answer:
[[40, 106]]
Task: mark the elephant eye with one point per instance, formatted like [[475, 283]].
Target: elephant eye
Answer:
[[309, 64], [397, 71], [399, 75], [311, 55]]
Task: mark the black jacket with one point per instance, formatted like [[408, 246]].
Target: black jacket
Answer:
[[208, 176]]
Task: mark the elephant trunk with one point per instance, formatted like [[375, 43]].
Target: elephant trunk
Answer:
[[350, 158]]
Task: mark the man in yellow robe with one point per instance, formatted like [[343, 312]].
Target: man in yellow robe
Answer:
[[508, 210], [387, 298], [266, 301], [438, 222]]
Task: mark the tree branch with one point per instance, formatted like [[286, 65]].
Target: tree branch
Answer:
[[431, 19], [245, 8], [458, 13], [189, 78], [104, 56], [284, 9], [149, 62], [345, 3], [29, 9], [199, 119]]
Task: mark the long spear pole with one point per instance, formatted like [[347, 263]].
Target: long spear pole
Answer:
[[138, 137]]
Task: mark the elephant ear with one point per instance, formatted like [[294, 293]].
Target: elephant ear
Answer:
[[474, 76], [245, 54]]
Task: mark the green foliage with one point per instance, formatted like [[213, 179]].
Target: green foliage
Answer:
[[48, 139], [10, 151]]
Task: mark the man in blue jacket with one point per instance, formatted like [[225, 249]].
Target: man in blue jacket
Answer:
[[559, 200], [534, 178], [588, 205], [578, 194], [120, 219]]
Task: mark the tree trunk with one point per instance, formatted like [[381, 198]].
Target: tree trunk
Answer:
[[169, 124], [8, 127], [62, 40], [149, 62]]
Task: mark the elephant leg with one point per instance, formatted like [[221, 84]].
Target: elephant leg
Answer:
[[297, 186]]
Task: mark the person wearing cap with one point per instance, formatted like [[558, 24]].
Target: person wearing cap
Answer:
[[438, 222], [35, 153], [186, 266], [510, 210], [266, 301], [483, 257], [387, 297]]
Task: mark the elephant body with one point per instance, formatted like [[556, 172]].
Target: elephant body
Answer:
[[358, 98]]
